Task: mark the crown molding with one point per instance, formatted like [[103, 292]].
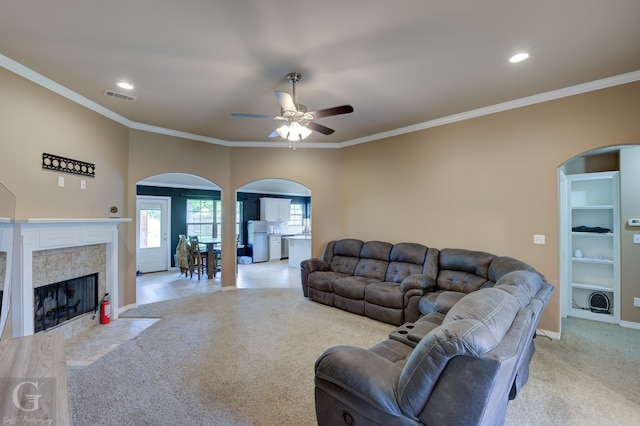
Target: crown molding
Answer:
[[504, 106], [47, 83]]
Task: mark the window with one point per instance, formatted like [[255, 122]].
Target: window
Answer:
[[296, 215], [203, 218]]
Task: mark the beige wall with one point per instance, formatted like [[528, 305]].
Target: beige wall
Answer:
[[34, 120], [629, 252], [486, 184], [317, 169]]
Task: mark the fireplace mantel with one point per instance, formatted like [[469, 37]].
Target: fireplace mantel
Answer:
[[37, 234]]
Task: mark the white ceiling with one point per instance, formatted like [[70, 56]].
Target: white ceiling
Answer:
[[398, 63]]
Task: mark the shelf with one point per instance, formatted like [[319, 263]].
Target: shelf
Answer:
[[592, 234], [592, 260], [603, 207], [592, 287], [587, 314]]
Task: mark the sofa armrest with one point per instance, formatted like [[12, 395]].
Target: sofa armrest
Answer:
[[422, 282], [360, 374], [308, 266]]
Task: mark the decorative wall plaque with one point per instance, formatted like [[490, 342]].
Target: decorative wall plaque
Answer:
[[67, 165]]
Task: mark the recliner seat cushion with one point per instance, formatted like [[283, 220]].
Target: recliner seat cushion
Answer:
[[384, 294], [323, 280], [351, 287]]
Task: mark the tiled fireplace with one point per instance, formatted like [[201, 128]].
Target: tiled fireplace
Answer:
[[54, 251]]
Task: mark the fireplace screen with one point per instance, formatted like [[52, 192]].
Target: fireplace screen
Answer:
[[59, 302]]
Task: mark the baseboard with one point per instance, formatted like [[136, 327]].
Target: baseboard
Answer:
[[126, 308], [550, 334], [629, 324]]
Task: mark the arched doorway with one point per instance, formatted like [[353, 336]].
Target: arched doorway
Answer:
[[164, 201], [270, 245], [597, 193]]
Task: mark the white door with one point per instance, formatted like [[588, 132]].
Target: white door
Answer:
[[152, 229]]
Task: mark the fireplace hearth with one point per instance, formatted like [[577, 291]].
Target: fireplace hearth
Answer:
[[59, 302]]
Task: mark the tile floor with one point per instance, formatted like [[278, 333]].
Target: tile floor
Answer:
[[90, 345]]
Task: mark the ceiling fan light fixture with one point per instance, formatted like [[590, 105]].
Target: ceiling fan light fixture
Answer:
[[293, 132]]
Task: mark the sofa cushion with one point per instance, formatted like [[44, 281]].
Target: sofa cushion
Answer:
[[521, 284], [374, 260], [384, 294], [493, 307], [323, 280], [474, 326], [439, 301], [405, 259], [349, 247], [502, 265], [345, 256], [351, 287], [463, 270]]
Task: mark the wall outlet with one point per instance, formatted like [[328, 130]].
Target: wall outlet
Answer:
[[636, 302], [539, 239]]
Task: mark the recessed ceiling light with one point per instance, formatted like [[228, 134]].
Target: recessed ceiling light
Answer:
[[125, 85], [519, 57]]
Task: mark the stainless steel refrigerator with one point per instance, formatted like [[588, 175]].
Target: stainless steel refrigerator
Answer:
[[257, 230]]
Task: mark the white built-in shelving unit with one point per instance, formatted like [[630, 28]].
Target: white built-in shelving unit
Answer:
[[592, 258]]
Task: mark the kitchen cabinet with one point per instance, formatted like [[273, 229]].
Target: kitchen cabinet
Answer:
[[275, 247], [275, 209], [593, 247]]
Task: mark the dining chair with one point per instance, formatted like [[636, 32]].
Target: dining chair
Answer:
[[198, 258]]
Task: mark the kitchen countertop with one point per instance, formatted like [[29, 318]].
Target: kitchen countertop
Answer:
[[298, 237]]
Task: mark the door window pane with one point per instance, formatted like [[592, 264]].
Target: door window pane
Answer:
[[150, 225]]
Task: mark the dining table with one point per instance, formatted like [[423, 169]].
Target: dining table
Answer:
[[212, 260]]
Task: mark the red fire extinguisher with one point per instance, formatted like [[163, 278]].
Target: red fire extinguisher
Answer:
[[105, 310]]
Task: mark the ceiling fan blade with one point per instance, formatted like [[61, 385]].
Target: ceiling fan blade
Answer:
[[343, 109], [252, 116], [286, 101], [320, 128]]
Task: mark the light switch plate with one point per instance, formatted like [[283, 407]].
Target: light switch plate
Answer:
[[636, 238], [60, 181], [539, 239]]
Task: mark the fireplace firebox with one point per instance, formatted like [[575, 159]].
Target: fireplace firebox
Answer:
[[59, 302]]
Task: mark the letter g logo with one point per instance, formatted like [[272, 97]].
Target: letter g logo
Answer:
[[32, 399]]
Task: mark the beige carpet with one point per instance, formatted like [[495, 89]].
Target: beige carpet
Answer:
[[245, 357]]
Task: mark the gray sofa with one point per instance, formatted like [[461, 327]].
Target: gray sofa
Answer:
[[398, 283], [461, 368]]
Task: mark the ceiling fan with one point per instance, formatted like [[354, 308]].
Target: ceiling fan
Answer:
[[298, 122]]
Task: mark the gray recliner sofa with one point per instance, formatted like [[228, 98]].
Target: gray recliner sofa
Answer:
[[398, 283], [461, 368], [380, 280]]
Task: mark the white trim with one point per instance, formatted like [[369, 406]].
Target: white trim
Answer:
[[45, 82], [126, 308], [546, 333], [629, 324], [45, 234]]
